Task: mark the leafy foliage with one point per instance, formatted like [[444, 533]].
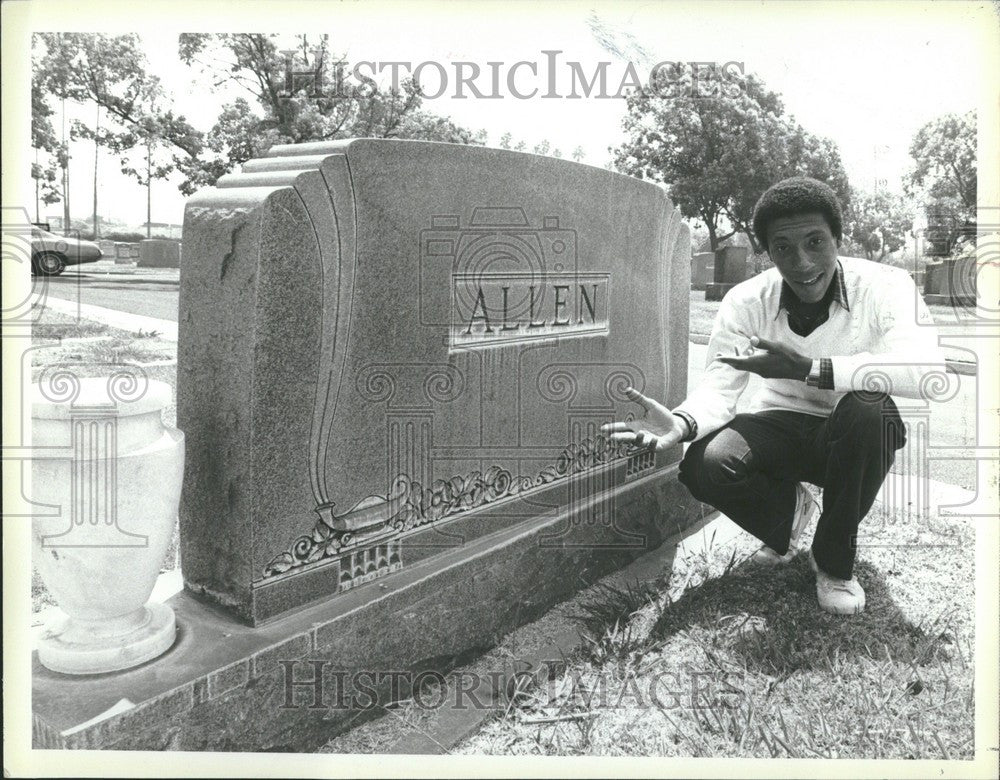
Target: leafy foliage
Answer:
[[944, 155], [944, 178], [878, 223], [543, 147], [718, 152], [295, 97], [109, 71]]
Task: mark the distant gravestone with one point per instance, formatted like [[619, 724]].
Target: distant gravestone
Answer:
[[389, 347], [702, 270], [730, 270], [951, 282], [159, 253]]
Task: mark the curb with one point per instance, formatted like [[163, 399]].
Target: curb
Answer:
[[166, 329]]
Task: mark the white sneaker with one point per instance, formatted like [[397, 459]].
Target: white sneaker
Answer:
[[806, 508], [839, 597]]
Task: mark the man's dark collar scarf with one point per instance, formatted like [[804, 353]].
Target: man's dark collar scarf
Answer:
[[804, 318]]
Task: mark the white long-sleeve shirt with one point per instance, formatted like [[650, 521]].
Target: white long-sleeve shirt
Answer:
[[884, 341]]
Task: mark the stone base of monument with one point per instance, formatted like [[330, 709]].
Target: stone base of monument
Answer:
[[716, 291], [79, 647], [965, 301], [293, 683]]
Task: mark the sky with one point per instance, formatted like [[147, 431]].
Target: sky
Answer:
[[866, 76]]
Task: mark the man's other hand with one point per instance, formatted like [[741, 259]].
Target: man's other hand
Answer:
[[776, 361], [658, 429]]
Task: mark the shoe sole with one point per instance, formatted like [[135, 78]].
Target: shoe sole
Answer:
[[830, 611]]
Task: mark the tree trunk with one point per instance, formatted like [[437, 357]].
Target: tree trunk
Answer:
[[65, 172], [149, 193], [37, 216], [97, 128], [713, 240]]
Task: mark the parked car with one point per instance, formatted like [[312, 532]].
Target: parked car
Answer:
[[50, 254]]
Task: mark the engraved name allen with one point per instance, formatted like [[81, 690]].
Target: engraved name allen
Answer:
[[495, 309]]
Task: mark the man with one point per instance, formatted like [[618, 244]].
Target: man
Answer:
[[834, 339]]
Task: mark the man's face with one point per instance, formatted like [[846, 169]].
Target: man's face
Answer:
[[805, 253]]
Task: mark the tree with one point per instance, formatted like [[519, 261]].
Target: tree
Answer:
[[43, 141], [944, 156], [53, 69], [944, 178], [543, 147], [284, 107], [717, 153], [877, 223], [46, 189], [110, 72]]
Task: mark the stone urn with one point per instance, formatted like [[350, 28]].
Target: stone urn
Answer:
[[106, 483]]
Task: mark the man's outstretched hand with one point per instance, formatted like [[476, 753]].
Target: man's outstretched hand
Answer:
[[658, 428], [776, 362]]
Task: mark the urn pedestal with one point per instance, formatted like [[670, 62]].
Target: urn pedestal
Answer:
[[106, 483]]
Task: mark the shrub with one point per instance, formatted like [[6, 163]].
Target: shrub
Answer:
[[128, 238]]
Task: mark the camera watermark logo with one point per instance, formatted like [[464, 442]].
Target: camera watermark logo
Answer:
[[83, 471], [27, 250]]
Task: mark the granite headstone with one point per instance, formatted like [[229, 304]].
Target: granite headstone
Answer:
[[951, 282], [388, 349], [730, 270], [159, 253], [702, 270]]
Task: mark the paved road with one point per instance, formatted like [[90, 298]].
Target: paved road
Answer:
[[151, 294], [154, 294]]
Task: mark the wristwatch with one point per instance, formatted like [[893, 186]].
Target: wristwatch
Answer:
[[815, 372], [691, 425]]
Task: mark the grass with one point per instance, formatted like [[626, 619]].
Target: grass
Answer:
[[702, 313], [54, 325], [725, 659], [92, 347]]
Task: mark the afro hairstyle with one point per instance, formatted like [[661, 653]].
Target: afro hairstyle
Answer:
[[794, 196]]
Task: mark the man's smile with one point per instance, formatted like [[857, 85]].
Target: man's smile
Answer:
[[808, 282]]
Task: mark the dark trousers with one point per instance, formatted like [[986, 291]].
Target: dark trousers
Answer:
[[749, 468]]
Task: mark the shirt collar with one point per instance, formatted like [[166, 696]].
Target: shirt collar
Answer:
[[838, 286]]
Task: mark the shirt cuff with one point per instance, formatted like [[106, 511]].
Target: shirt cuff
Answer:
[[821, 375]]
